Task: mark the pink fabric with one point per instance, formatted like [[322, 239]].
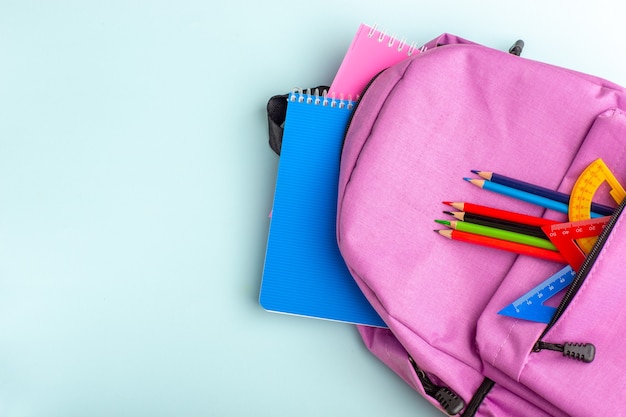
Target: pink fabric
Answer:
[[420, 128]]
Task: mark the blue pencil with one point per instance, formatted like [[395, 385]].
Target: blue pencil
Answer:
[[523, 196], [538, 190]]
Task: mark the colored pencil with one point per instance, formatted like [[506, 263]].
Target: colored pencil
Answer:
[[538, 190], [523, 196], [503, 245], [501, 214], [498, 223], [496, 233]]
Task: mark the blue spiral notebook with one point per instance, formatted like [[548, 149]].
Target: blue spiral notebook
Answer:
[[304, 273]]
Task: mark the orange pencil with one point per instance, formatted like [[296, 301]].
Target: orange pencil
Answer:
[[514, 247], [501, 214]]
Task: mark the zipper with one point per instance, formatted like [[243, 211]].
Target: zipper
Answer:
[[448, 399], [584, 352]]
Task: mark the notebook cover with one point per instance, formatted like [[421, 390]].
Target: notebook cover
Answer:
[[370, 52], [304, 273]]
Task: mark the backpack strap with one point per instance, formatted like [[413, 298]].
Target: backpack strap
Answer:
[[276, 113], [477, 399]]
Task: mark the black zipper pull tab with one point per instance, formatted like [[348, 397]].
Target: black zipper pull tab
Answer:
[[584, 352], [517, 48], [448, 399], [451, 403]]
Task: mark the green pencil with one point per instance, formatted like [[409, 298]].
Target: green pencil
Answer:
[[493, 232]]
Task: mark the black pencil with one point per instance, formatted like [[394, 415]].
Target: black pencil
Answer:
[[499, 223]]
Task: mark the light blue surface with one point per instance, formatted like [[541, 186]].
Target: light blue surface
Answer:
[[135, 184]]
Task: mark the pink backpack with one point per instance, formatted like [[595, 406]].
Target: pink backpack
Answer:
[[418, 130]]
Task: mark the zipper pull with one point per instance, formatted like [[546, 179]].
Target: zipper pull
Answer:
[[584, 352], [517, 47], [448, 399], [451, 403]]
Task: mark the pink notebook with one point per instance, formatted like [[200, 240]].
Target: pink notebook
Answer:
[[371, 51]]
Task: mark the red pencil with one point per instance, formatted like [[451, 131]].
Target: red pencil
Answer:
[[501, 214], [504, 245]]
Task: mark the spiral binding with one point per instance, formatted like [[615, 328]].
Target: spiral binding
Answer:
[[392, 40], [313, 96]]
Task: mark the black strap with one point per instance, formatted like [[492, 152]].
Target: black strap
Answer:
[[478, 398], [276, 112]]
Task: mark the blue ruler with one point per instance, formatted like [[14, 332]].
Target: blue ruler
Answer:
[[530, 305]]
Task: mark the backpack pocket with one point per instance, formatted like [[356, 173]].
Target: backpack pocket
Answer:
[[590, 330], [573, 362]]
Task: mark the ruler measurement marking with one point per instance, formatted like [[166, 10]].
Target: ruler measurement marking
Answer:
[[530, 305]]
